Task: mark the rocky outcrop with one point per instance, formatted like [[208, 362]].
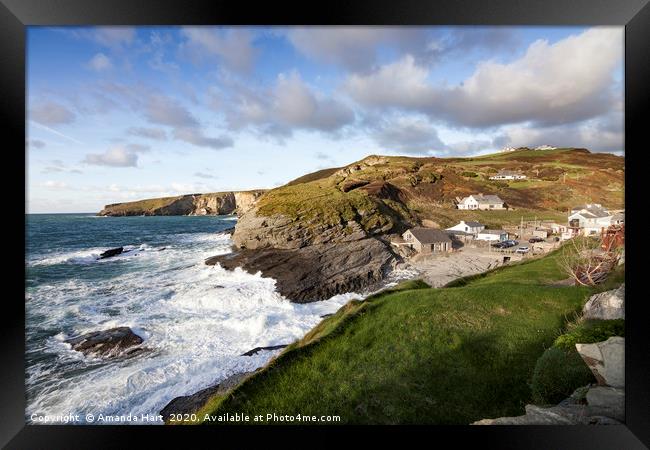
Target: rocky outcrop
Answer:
[[606, 360], [259, 349], [107, 343], [189, 404], [602, 404], [316, 272], [111, 252], [257, 232], [216, 203], [606, 305]]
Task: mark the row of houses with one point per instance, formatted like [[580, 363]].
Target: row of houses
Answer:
[[592, 218], [433, 240]]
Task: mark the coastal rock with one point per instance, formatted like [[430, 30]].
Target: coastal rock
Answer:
[[111, 252], [106, 343], [256, 232], [606, 401], [554, 415], [316, 272], [606, 305], [189, 404], [259, 349], [216, 203], [606, 360]]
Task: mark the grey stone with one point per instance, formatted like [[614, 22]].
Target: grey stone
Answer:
[[106, 343], [606, 401], [606, 360], [606, 305]]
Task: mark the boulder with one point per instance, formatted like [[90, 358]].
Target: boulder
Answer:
[[189, 404], [107, 343], [111, 252], [606, 305], [316, 272], [554, 415], [606, 360], [606, 401]]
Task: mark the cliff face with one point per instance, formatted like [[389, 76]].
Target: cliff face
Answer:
[[216, 203]]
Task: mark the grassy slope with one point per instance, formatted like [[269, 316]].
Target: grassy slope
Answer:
[[420, 355], [430, 185]]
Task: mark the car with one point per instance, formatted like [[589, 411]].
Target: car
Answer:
[[535, 239], [508, 244], [498, 245], [522, 250]]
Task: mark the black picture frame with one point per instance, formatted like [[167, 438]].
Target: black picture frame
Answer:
[[15, 15]]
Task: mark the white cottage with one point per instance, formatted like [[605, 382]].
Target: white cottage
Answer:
[[590, 219], [508, 175], [468, 227], [480, 201]]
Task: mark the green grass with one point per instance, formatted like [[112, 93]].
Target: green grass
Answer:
[[421, 355], [558, 373]]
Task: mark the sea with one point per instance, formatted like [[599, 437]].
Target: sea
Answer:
[[196, 320]]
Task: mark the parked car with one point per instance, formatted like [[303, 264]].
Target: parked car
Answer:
[[535, 239], [498, 245], [508, 244], [522, 250]]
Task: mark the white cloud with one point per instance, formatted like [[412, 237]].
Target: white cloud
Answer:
[[151, 133], [51, 113], [290, 104], [234, 47], [55, 185], [100, 62], [407, 134], [564, 82], [114, 157], [195, 136]]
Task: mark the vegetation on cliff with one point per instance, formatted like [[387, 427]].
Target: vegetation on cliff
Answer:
[[420, 355], [386, 194]]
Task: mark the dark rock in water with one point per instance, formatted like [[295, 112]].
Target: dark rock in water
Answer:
[[316, 272], [189, 404], [106, 343], [161, 249], [111, 252], [230, 230], [259, 349]]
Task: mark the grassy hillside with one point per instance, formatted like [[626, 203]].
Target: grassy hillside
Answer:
[[421, 355], [379, 191]]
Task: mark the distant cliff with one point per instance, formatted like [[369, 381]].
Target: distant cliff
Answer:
[[215, 203]]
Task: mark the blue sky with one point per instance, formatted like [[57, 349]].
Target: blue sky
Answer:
[[118, 113]]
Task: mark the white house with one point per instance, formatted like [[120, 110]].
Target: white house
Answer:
[[481, 201], [545, 147], [508, 175], [492, 235], [468, 227], [590, 219]]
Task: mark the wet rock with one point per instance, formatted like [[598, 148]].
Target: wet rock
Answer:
[[107, 343], [606, 360], [606, 305], [111, 252], [259, 349], [316, 272], [189, 404]]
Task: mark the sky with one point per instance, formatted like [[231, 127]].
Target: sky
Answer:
[[117, 114]]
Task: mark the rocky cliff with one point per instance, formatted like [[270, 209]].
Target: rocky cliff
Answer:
[[216, 203]]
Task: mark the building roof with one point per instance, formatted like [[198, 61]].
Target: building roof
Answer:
[[497, 232], [429, 235], [474, 224], [487, 198], [591, 211]]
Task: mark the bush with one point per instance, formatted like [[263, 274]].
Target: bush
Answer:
[[469, 174], [590, 331], [557, 374]]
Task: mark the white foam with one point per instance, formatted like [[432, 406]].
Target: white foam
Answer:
[[195, 319]]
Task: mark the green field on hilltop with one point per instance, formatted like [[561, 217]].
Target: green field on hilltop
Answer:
[[419, 355]]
